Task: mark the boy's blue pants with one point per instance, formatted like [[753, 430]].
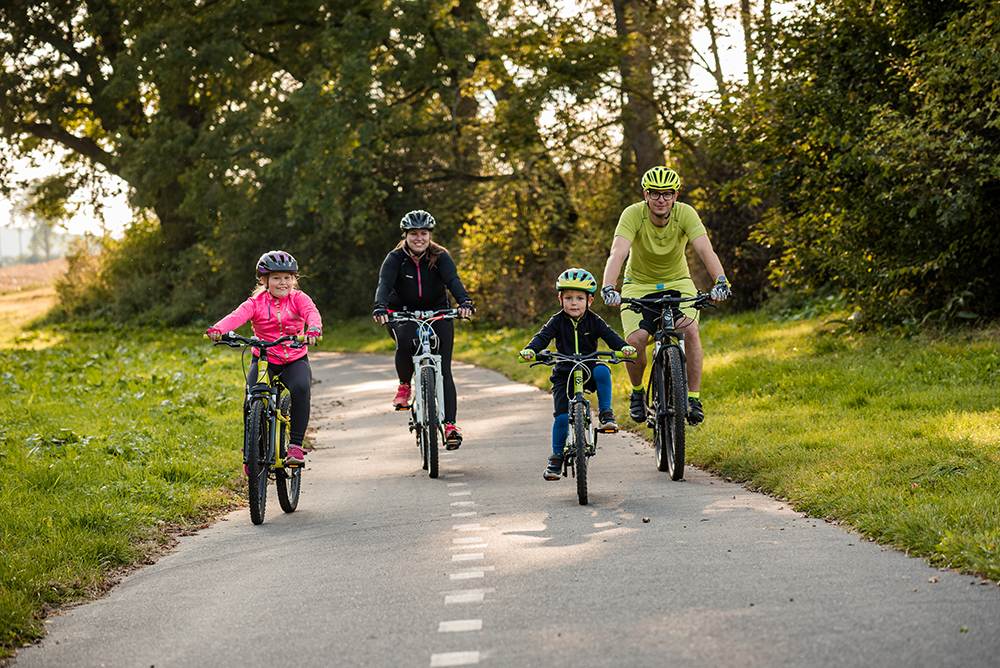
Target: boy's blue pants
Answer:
[[560, 425]]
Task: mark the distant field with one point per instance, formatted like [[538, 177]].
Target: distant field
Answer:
[[26, 294], [28, 276]]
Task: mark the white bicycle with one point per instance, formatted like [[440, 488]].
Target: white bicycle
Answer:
[[427, 405]]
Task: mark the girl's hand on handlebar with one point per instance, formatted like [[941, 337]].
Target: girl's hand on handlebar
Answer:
[[527, 355], [213, 334], [629, 352], [313, 337]]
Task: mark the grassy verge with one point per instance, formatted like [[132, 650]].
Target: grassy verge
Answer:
[[109, 443], [897, 438]]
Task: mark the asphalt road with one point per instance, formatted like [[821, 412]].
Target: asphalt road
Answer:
[[489, 564]]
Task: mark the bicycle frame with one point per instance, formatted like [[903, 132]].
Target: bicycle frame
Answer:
[[426, 344], [268, 392], [666, 333]]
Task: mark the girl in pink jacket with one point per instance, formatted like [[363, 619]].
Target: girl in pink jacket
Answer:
[[277, 308]]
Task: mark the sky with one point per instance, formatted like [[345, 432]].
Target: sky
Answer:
[[117, 214]]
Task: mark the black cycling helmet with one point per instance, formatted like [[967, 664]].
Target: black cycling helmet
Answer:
[[276, 260], [417, 220]]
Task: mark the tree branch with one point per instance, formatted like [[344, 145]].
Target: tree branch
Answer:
[[85, 146]]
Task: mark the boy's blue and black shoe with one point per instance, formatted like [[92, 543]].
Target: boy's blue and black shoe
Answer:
[[606, 422], [637, 406], [554, 470]]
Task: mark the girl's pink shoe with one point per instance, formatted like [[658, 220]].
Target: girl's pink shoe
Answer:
[[295, 456]]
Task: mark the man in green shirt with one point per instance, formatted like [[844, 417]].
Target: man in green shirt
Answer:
[[653, 235]]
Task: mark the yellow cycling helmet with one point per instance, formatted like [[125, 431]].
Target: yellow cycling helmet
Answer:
[[577, 279], [661, 178]]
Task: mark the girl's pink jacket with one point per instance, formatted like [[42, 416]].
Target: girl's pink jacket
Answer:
[[272, 318]]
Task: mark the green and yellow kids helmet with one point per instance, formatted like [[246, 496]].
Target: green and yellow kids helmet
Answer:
[[577, 279], [661, 178]]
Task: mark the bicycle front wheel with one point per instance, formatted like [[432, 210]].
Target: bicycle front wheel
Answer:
[[288, 481], [255, 457], [428, 386], [676, 412], [580, 445]]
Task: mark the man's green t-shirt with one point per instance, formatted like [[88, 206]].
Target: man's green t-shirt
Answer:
[[657, 253]]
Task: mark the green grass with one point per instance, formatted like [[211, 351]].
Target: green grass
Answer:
[[898, 438], [109, 442]]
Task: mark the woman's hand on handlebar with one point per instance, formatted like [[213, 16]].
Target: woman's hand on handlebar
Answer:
[[465, 310], [380, 315]]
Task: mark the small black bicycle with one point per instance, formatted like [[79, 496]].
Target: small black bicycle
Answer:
[[581, 443], [666, 389]]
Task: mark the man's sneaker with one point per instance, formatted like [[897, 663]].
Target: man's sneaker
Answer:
[[606, 422], [295, 456], [696, 414], [637, 406], [554, 470], [402, 400], [452, 436]]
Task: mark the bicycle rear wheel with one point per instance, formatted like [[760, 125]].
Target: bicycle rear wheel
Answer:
[[676, 412], [255, 457], [428, 385], [288, 481], [580, 445]]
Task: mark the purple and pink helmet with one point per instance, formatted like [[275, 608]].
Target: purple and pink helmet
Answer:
[[276, 260]]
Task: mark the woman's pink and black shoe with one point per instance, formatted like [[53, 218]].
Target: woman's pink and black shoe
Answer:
[[452, 436], [402, 400]]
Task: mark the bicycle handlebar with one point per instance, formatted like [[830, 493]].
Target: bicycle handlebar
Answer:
[[423, 316], [700, 301], [234, 340], [551, 358]]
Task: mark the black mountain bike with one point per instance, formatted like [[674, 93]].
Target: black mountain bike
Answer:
[[666, 389], [266, 425], [581, 443]]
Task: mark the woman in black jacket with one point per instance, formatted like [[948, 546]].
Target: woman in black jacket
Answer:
[[417, 276]]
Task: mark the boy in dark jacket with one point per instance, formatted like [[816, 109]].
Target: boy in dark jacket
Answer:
[[576, 330]]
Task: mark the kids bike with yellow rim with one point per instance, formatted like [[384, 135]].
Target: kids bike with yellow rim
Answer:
[[427, 406], [666, 389], [266, 426], [581, 442]]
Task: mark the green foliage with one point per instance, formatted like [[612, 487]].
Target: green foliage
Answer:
[[110, 438], [880, 146]]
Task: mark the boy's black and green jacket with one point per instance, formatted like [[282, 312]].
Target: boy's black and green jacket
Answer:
[[575, 337]]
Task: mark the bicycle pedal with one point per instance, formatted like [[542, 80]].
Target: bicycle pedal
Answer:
[[650, 422], [398, 408], [607, 430]]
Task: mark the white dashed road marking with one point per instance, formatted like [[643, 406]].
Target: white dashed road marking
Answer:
[[468, 556], [454, 659], [460, 625]]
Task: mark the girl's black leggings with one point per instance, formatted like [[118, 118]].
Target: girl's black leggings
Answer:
[[297, 377], [405, 334]]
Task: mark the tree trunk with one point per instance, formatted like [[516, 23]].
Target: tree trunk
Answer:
[[179, 231], [767, 46], [639, 112], [720, 81], [746, 18]]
